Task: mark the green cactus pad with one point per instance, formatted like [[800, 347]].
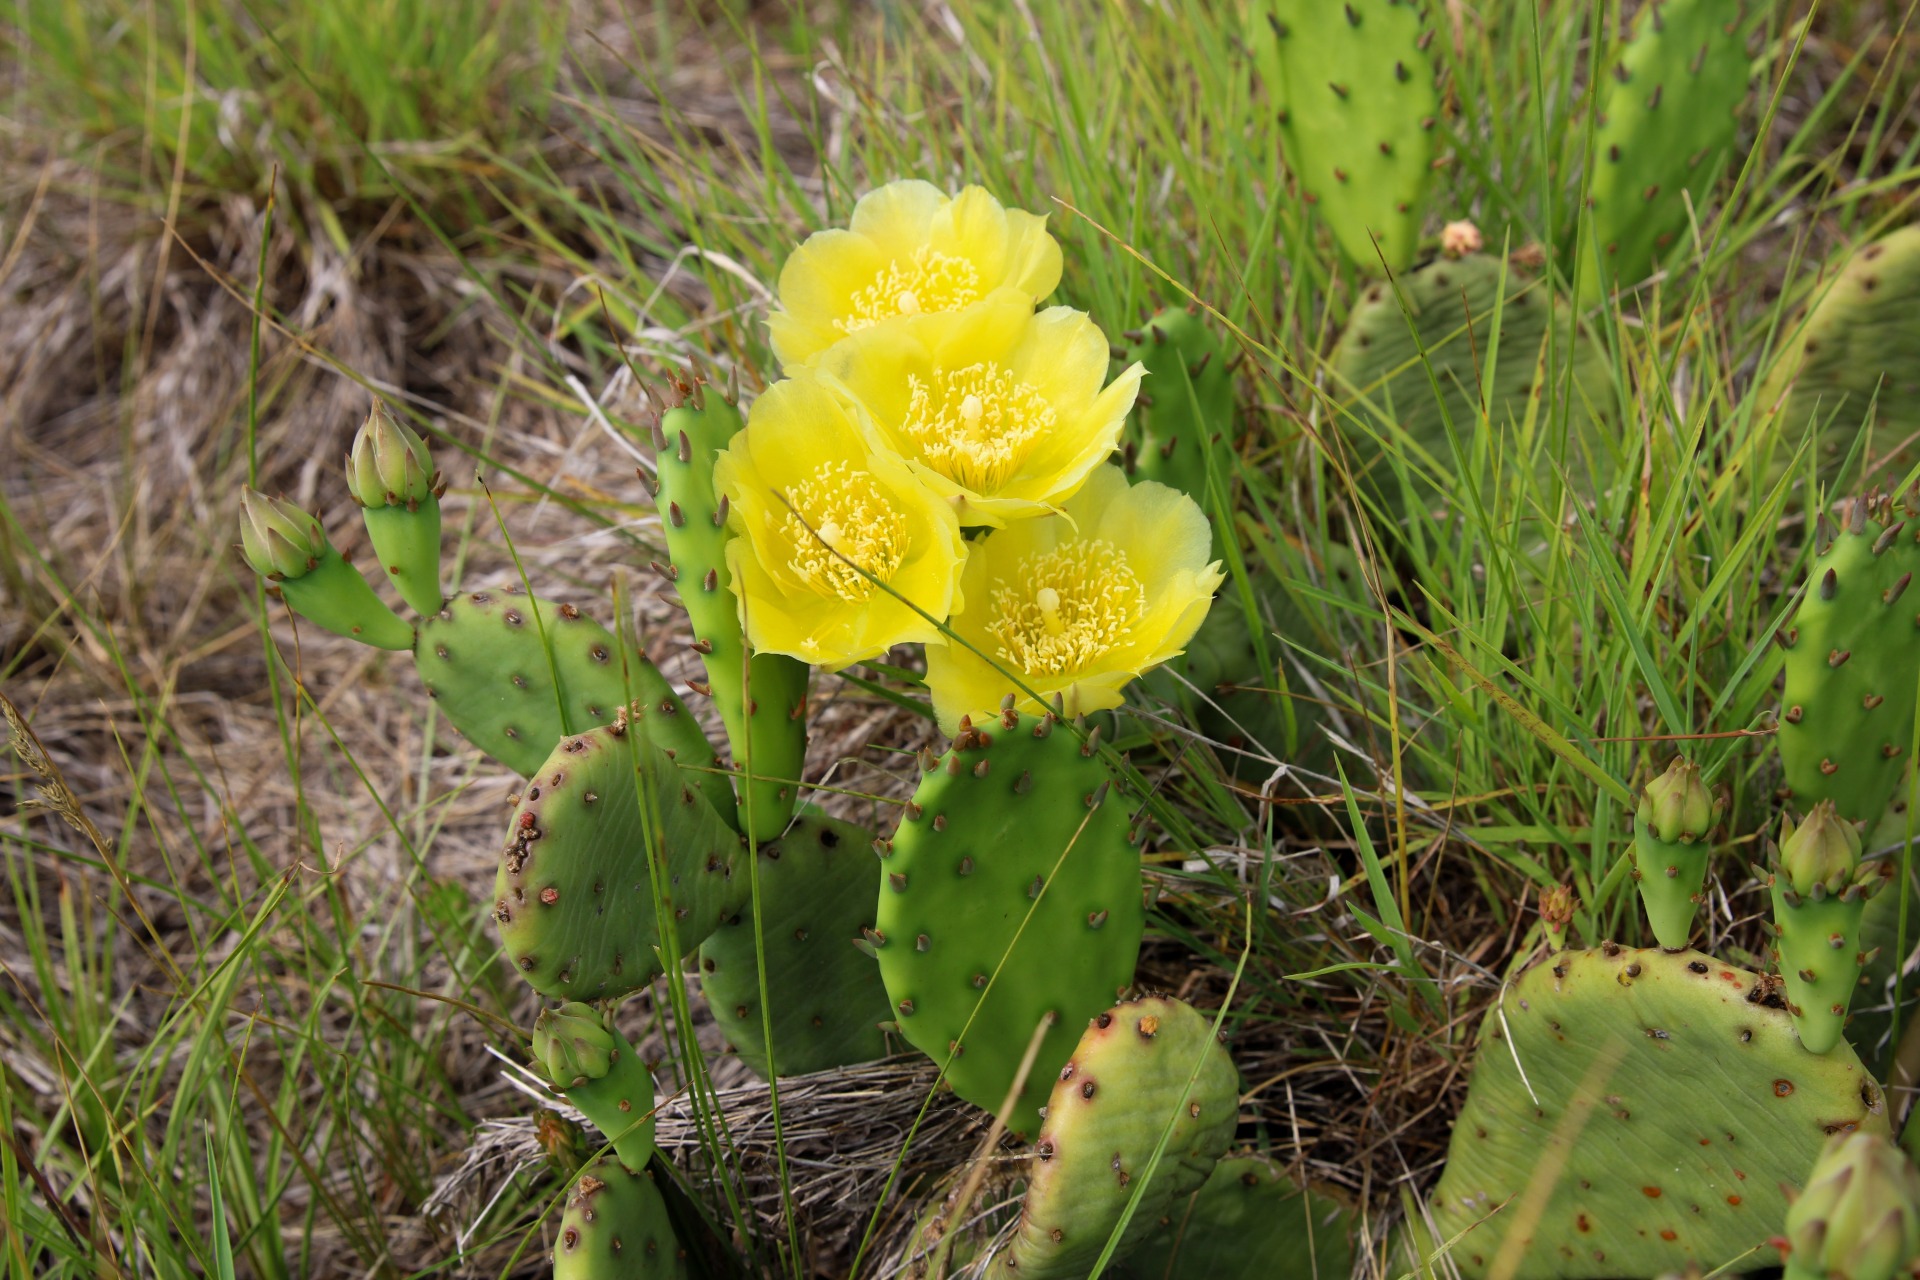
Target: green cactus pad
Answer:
[[762, 700], [583, 1055], [485, 660], [1670, 109], [816, 899], [390, 474], [1848, 707], [1389, 405], [334, 595], [1249, 1222], [1858, 347], [1141, 1068], [615, 1228], [1354, 88], [1670, 850], [1183, 425], [1665, 1099], [1013, 857], [574, 897]]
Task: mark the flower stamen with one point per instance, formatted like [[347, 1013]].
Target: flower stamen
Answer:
[[1064, 609], [976, 425], [928, 281], [839, 512]]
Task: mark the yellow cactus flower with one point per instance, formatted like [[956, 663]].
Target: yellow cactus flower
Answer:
[[1076, 604], [1000, 412], [911, 256], [833, 538]]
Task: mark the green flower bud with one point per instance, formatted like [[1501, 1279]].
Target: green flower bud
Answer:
[[279, 540], [390, 465], [1823, 850], [1677, 805], [1859, 1217], [573, 1044]]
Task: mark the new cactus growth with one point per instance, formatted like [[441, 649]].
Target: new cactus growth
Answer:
[[1851, 661], [1669, 110], [391, 475], [1010, 891], [1390, 404], [1183, 425], [1670, 849], [825, 996], [1857, 348], [1556, 913], [762, 698], [575, 894], [616, 1228], [1859, 1216], [1354, 87], [585, 1057], [1635, 1112], [1249, 1222], [1819, 891], [1143, 1069], [515, 674], [287, 547]]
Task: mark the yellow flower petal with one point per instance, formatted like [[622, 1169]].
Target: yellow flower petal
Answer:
[[839, 552], [1001, 412], [910, 257], [1076, 604]]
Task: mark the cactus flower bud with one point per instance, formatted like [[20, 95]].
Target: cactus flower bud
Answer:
[[389, 465], [573, 1044], [1458, 239], [280, 541], [1556, 912], [1859, 1217], [1677, 805], [1823, 850]]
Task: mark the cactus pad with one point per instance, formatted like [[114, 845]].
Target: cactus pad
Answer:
[[1665, 1098], [1390, 402], [1013, 859], [762, 700], [1847, 711], [1249, 1222], [616, 1225], [574, 897], [485, 660], [816, 898], [1143, 1068], [1354, 88], [1183, 425], [1858, 347], [1670, 110]]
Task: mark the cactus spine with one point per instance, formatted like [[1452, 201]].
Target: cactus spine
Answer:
[[763, 698], [1013, 858], [391, 476], [615, 1227], [586, 1058], [1670, 850], [289, 549], [1851, 664], [1819, 892], [1859, 1217]]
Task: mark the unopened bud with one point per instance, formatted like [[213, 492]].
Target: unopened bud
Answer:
[[279, 540], [1823, 850], [389, 465], [1859, 1217], [1676, 806], [572, 1043]]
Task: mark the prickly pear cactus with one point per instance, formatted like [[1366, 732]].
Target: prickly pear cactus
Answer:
[[1670, 849], [492, 659], [1249, 1222], [1389, 402], [1011, 890], [1182, 430], [1354, 87], [1143, 1069], [826, 997], [392, 477], [1858, 348], [574, 897], [1670, 108], [1851, 661], [288, 548], [1665, 1098], [584, 1056], [1819, 891], [616, 1226], [1859, 1216], [762, 699]]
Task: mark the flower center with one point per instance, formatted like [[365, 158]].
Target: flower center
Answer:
[[974, 425], [929, 281], [851, 515], [1064, 609]]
